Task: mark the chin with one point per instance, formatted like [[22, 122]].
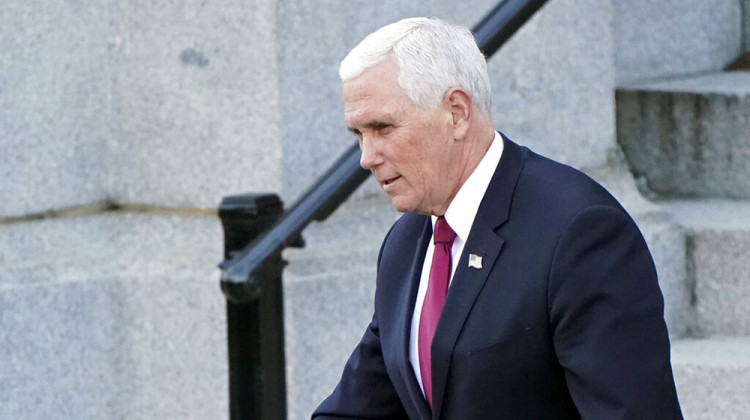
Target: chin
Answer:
[[401, 206]]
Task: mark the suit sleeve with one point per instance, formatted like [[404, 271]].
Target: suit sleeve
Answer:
[[607, 318], [365, 390]]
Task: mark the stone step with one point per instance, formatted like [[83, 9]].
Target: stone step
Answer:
[[713, 377], [688, 137], [717, 252], [667, 242], [700, 248]]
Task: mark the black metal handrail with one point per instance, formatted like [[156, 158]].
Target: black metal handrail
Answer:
[[345, 175], [331, 189]]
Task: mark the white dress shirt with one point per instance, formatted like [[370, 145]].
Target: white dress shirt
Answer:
[[460, 216]]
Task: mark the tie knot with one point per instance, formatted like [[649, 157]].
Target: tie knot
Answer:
[[443, 232]]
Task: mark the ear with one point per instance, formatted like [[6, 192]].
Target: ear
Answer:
[[459, 102]]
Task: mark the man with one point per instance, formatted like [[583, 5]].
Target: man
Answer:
[[535, 297]]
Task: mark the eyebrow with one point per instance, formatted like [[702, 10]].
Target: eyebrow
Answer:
[[373, 124]]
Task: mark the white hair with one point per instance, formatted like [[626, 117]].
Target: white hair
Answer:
[[432, 56]]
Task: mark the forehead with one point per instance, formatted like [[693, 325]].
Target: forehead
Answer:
[[376, 90]]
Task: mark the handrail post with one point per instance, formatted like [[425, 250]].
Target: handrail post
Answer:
[[255, 321]]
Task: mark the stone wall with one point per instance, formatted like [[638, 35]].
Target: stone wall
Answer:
[[55, 96], [122, 126], [657, 39], [112, 315], [124, 123], [195, 100]]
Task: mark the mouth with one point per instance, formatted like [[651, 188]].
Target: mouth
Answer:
[[388, 182]]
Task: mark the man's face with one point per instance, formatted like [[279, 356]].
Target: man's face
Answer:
[[408, 150]]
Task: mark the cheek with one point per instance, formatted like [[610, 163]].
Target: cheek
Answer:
[[416, 155]]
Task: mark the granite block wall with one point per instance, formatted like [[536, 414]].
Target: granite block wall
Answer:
[[172, 104], [675, 37], [111, 311], [56, 105], [195, 101], [112, 315]]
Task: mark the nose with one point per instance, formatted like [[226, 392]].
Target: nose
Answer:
[[370, 155]]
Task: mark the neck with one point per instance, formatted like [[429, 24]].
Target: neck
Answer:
[[473, 148], [477, 142]]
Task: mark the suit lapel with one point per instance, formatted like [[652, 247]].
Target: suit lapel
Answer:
[[467, 283], [484, 242], [406, 308]]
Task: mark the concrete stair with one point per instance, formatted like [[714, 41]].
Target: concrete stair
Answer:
[[689, 137], [718, 253], [711, 360], [687, 141], [713, 377]]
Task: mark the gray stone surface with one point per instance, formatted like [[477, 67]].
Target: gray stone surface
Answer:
[[689, 137], [173, 104], [553, 83], [722, 280], [707, 215], [57, 345], [667, 242], [712, 377], [716, 83], [112, 316], [195, 100], [746, 24], [55, 102], [658, 38], [177, 104], [718, 234]]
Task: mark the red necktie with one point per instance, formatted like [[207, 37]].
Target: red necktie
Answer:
[[437, 289]]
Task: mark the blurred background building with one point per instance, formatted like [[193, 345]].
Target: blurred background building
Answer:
[[123, 123]]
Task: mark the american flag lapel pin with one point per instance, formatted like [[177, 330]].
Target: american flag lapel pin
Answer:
[[475, 261]]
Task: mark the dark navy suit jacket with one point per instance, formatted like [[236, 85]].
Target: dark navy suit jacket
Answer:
[[564, 319]]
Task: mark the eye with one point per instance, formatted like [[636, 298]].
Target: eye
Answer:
[[383, 128]]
